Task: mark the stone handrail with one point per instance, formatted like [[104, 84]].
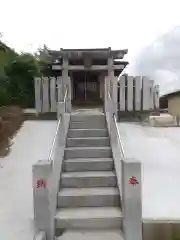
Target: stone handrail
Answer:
[[54, 140], [40, 236], [46, 175], [128, 172], [118, 137], [63, 104], [116, 144]]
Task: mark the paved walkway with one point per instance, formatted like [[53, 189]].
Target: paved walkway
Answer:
[[33, 142], [159, 151], [157, 148]]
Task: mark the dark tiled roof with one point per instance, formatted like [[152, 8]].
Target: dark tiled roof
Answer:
[[171, 94], [79, 52]]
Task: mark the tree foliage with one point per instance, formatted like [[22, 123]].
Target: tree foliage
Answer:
[[43, 60], [20, 73], [17, 72]]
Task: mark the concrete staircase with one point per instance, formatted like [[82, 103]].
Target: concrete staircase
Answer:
[[88, 199]]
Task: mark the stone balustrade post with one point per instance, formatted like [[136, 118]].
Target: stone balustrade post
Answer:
[[105, 95], [114, 95], [131, 199], [42, 212], [60, 109], [40, 236], [68, 103]]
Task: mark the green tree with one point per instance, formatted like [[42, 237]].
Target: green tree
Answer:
[[43, 59], [6, 55], [20, 73], [4, 97], [17, 74]]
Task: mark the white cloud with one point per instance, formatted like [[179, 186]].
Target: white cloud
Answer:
[[96, 23], [161, 61], [84, 23]]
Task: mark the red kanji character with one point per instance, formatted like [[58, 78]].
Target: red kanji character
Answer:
[[133, 181], [41, 183]]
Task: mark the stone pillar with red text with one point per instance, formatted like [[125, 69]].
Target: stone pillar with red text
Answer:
[[132, 199], [42, 217]]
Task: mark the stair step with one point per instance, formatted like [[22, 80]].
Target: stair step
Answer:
[[87, 133], [91, 141], [89, 218], [88, 197], [87, 164], [87, 117], [87, 152], [88, 179], [104, 234], [88, 124]]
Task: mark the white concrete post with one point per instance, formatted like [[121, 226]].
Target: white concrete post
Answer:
[[156, 97], [60, 109], [65, 73], [138, 84], [122, 100], [131, 199], [42, 216], [38, 99], [45, 107], [111, 75], [130, 95], [145, 97], [114, 96], [151, 94], [68, 103], [109, 99], [60, 89], [105, 94], [53, 94]]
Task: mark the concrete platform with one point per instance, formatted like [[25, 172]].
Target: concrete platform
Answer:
[[157, 148], [16, 196], [159, 151]]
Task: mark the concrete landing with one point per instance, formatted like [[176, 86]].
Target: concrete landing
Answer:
[[89, 235], [159, 151], [87, 111]]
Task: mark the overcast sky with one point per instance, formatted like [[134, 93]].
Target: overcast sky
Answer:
[[132, 24]]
